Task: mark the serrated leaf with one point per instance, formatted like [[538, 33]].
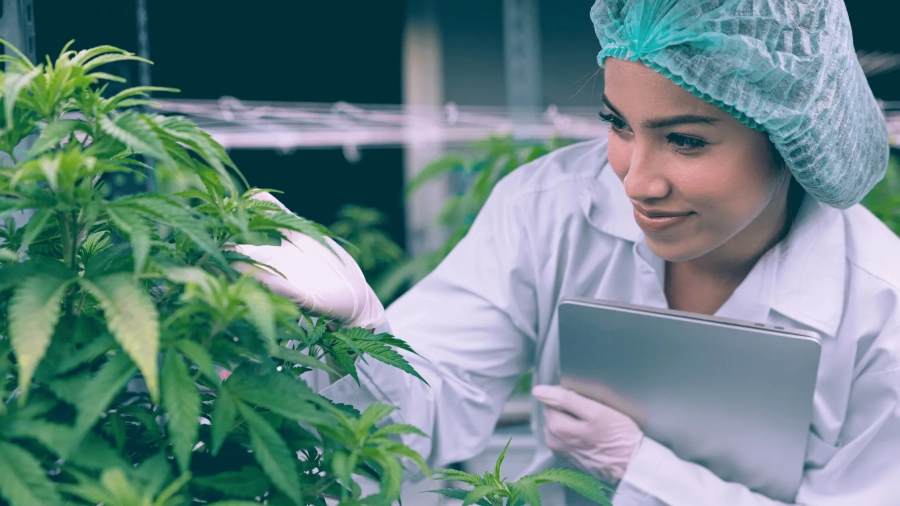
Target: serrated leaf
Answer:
[[173, 214], [92, 396], [383, 353], [581, 483], [499, 462], [479, 493], [342, 465], [272, 454], [246, 483], [154, 472], [52, 135], [398, 429], [23, 482], [223, 417], [235, 503], [283, 394], [527, 491], [95, 454], [34, 309], [133, 320], [457, 493], [456, 475], [373, 414], [36, 224], [200, 357], [133, 224], [12, 86], [260, 311], [194, 193], [181, 401], [133, 131], [391, 478], [300, 357]]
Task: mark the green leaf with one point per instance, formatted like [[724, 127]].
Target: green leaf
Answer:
[[479, 493], [182, 402], [155, 472], [52, 135], [36, 224], [373, 414], [300, 357], [391, 478], [457, 493], [22, 480], [398, 429], [132, 130], [499, 462], [527, 491], [53, 436], [456, 475], [379, 351], [174, 214], [223, 416], [96, 454], [278, 392], [273, 454], [133, 320], [260, 311], [133, 224], [200, 357], [433, 170], [234, 503], [33, 312], [92, 396], [12, 86], [246, 483], [581, 483]]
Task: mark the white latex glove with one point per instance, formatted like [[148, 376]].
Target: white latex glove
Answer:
[[318, 280], [596, 438]]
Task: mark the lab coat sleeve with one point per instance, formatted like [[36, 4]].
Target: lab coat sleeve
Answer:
[[472, 323], [865, 469]]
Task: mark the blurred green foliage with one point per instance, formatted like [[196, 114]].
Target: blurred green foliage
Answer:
[[884, 199]]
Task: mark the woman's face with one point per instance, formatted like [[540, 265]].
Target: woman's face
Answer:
[[703, 185]]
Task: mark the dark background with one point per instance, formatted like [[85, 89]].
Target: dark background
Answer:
[[309, 51], [312, 51]]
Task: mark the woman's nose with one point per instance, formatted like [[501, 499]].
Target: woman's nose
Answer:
[[645, 179]]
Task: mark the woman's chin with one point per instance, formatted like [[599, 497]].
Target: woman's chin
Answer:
[[676, 251]]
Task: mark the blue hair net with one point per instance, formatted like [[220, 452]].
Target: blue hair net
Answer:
[[784, 67]]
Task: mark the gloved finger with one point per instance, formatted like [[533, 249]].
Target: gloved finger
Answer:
[[567, 400], [565, 426]]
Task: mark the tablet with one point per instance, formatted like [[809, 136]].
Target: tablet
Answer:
[[733, 396]]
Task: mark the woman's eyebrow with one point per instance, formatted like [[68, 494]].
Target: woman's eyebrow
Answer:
[[683, 119]]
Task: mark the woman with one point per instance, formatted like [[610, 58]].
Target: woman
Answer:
[[742, 134]]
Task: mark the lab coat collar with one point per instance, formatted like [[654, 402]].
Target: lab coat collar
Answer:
[[607, 208], [803, 277], [812, 268]]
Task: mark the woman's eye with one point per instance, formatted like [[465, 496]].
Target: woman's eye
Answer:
[[685, 143], [616, 122]]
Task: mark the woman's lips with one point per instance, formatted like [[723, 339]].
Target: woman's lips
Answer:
[[657, 222]]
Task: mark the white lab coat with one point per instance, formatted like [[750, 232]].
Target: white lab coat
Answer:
[[562, 226]]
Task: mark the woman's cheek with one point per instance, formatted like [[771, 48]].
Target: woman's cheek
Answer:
[[619, 153]]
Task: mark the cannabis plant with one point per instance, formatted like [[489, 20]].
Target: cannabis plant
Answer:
[[491, 489], [121, 315]]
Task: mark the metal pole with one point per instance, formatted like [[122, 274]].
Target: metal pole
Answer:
[[522, 52], [423, 90], [143, 42]]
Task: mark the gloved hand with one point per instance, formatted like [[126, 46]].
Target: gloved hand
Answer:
[[318, 280], [596, 438]]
